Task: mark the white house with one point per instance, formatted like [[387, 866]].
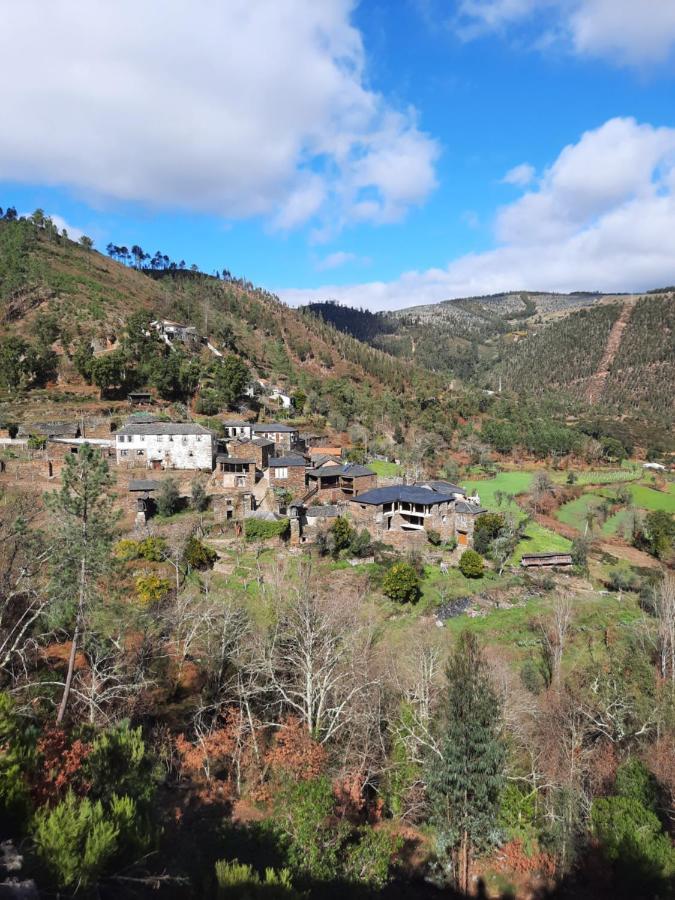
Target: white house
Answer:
[[234, 428], [284, 400], [165, 445], [657, 467]]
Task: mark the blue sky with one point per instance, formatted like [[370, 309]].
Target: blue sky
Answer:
[[356, 151]]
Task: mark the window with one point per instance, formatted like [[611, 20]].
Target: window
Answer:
[[141, 437], [170, 437], [124, 452], [140, 453], [281, 472], [121, 437]]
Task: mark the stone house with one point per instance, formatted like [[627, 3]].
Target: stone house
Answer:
[[237, 472], [403, 515], [258, 449], [175, 331], [237, 428], [285, 437], [50, 429], [165, 445], [331, 482], [288, 473]]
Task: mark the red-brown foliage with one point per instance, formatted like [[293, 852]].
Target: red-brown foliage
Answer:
[[513, 858], [294, 753], [59, 767]]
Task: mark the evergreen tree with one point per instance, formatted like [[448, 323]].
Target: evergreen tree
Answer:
[[465, 779], [82, 525]]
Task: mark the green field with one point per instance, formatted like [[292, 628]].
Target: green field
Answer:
[[646, 498], [574, 512], [507, 482], [538, 539], [384, 469]]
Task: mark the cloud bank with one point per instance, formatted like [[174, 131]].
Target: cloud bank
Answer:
[[624, 32], [245, 108], [601, 217]]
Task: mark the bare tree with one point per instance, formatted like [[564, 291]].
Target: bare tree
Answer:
[[307, 661], [664, 608], [554, 635]]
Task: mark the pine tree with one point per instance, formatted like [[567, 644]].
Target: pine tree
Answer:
[[82, 527], [465, 779]]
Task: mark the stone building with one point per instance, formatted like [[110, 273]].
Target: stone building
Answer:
[[165, 445], [333, 483], [288, 473], [237, 428], [403, 515], [258, 449], [285, 437], [237, 472]]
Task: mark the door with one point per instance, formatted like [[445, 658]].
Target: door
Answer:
[[157, 464], [462, 539]]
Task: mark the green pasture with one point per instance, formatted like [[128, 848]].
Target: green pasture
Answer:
[[574, 512], [506, 482], [384, 469]]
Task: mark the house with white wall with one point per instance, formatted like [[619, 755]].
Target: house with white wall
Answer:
[[165, 445]]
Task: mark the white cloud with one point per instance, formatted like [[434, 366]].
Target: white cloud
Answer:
[[521, 175], [626, 32], [601, 218], [240, 109], [335, 260]]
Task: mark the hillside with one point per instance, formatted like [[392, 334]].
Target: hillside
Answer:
[[65, 299], [609, 351]]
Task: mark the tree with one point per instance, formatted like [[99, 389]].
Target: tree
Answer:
[[200, 499], [230, 376], [465, 776], [659, 529], [168, 498], [83, 523], [86, 242], [402, 583], [108, 371], [471, 564]]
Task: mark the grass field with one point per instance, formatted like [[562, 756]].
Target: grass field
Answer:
[[538, 539], [384, 469], [645, 498], [574, 512], [616, 523], [507, 482]]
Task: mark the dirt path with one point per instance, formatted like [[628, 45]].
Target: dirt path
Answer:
[[597, 381]]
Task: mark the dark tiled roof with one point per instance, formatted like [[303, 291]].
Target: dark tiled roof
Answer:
[[443, 487], [272, 426], [164, 428], [60, 429], [351, 470], [144, 484], [286, 461], [222, 458], [463, 506], [321, 512], [236, 423], [402, 492]]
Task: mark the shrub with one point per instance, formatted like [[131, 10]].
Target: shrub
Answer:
[[200, 499], [168, 498], [16, 755], [197, 555], [119, 762], [261, 530], [402, 583], [471, 564], [126, 549], [150, 588], [78, 838], [238, 880], [152, 548], [434, 537]]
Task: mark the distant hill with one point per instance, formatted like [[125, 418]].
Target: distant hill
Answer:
[[60, 294], [536, 343]]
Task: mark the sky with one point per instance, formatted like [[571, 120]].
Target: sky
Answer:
[[382, 153]]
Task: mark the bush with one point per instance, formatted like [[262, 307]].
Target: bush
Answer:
[[434, 537], [126, 550], [197, 555], [150, 588], [119, 762], [261, 530], [16, 756], [152, 548], [200, 499], [471, 564], [402, 583], [168, 498], [237, 880], [78, 838]]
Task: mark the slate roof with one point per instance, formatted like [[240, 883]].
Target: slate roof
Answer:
[[61, 429], [222, 457], [402, 492], [443, 487], [273, 427], [164, 428], [322, 512], [236, 423], [351, 470], [280, 462], [469, 508], [144, 484]]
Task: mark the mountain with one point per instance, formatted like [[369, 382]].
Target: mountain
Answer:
[[614, 352], [60, 297]]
